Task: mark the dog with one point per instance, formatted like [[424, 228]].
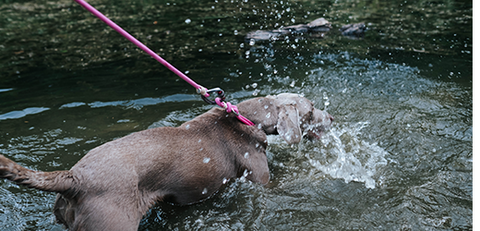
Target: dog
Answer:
[[115, 184]]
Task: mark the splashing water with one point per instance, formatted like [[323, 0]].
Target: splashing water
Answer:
[[327, 101], [344, 155]]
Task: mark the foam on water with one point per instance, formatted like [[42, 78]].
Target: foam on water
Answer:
[[344, 155]]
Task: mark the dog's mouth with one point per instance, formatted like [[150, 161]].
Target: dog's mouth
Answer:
[[315, 132], [316, 135], [322, 122]]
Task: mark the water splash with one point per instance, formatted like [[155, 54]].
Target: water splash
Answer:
[[326, 100], [344, 155], [244, 176]]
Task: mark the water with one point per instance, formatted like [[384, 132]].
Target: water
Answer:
[[348, 157], [398, 155]]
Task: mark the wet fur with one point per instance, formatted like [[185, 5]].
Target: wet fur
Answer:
[[115, 184]]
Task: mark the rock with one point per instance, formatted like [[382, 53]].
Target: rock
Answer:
[[301, 28], [319, 25], [356, 29], [262, 35], [314, 29]]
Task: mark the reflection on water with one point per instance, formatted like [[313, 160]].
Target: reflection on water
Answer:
[[136, 103], [398, 155], [22, 113]]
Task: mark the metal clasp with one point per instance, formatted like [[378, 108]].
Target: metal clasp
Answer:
[[220, 94]]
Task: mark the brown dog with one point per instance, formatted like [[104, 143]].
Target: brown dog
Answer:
[[114, 185]]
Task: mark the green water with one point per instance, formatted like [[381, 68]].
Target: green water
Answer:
[[398, 157]]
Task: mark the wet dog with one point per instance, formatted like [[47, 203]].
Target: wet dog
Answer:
[[115, 184]]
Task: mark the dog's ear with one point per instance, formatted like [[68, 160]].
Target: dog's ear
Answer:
[[288, 124]]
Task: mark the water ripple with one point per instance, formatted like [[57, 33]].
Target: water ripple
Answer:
[[23, 113], [135, 103]]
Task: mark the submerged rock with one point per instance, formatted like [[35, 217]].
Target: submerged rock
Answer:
[[317, 28], [261, 35], [314, 29], [356, 29]]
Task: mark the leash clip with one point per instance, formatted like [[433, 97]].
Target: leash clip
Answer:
[[219, 100], [220, 94]]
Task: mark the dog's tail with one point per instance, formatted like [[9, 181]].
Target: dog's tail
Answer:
[[57, 181]]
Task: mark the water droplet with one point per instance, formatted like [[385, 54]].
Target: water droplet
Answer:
[[206, 160], [246, 155], [200, 140], [187, 127], [204, 191], [245, 173], [268, 115], [225, 180], [187, 21], [266, 106], [254, 85], [252, 42], [327, 101]]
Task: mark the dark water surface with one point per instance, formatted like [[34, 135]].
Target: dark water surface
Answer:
[[398, 157]]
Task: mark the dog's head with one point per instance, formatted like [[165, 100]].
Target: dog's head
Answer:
[[290, 115], [297, 118]]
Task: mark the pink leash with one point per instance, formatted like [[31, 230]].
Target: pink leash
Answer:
[[201, 90]]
